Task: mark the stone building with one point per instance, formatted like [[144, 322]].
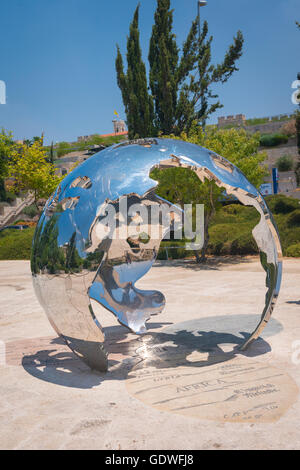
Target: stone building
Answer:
[[83, 138], [119, 129], [238, 120], [119, 126]]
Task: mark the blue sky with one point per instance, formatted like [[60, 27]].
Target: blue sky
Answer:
[[58, 59]]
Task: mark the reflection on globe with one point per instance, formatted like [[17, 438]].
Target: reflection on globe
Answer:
[[101, 230]]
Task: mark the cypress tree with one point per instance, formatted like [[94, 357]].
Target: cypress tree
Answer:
[[163, 60], [210, 74], [133, 85], [180, 83], [180, 96], [297, 171], [51, 153]]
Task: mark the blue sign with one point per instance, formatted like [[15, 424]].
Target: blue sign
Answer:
[[275, 180], [266, 189]]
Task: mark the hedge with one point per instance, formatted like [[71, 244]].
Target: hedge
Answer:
[[294, 250], [271, 140], [16, 244]]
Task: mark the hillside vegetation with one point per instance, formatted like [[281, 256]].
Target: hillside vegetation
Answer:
[[230, 233], [231, 230], [63, 148], [16, 244]]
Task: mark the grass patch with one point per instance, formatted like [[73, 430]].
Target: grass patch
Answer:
[[256, 121], [16, 244]]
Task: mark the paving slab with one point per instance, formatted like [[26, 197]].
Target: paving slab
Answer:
[[183, 385]]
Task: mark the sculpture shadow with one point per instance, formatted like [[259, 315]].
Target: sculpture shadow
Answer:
[[59, 365], [213, 263], [174, 346], [173, 350], [209, 340]]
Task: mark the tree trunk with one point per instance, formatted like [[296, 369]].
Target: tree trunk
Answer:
[[203, 258], [198, 259], [209, 215], [36, 201]]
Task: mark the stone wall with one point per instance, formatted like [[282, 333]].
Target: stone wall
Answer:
[[273, 124], [239, 119], [267, 128]]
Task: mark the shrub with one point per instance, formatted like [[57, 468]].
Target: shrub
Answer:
[[231, 228], [280, 204], [218, 248], [222, 232], [10, 197], [177, 252], [244, 245], [2, 191], [16, 244], [233, 209], [293, 250], [238, 211], [293, 219], [271, 140], [31, 211], [285, 163], [289, 128], [233, 238]]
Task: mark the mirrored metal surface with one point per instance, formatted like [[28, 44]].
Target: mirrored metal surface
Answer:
[[78, 254]]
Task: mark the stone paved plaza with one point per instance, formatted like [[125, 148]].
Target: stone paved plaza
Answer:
[[183, 385]]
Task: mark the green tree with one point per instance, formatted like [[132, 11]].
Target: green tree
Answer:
[[46, 254], [73, 260], [181, 186], [31, 171], [163, 60], [236, 146], [181, 87], [51, 156], [133, 84], [180, 81], [209, 74], [6, 146], [297, 170], [30, 142]]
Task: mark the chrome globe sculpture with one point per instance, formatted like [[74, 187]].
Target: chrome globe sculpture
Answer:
[[76, 256]]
